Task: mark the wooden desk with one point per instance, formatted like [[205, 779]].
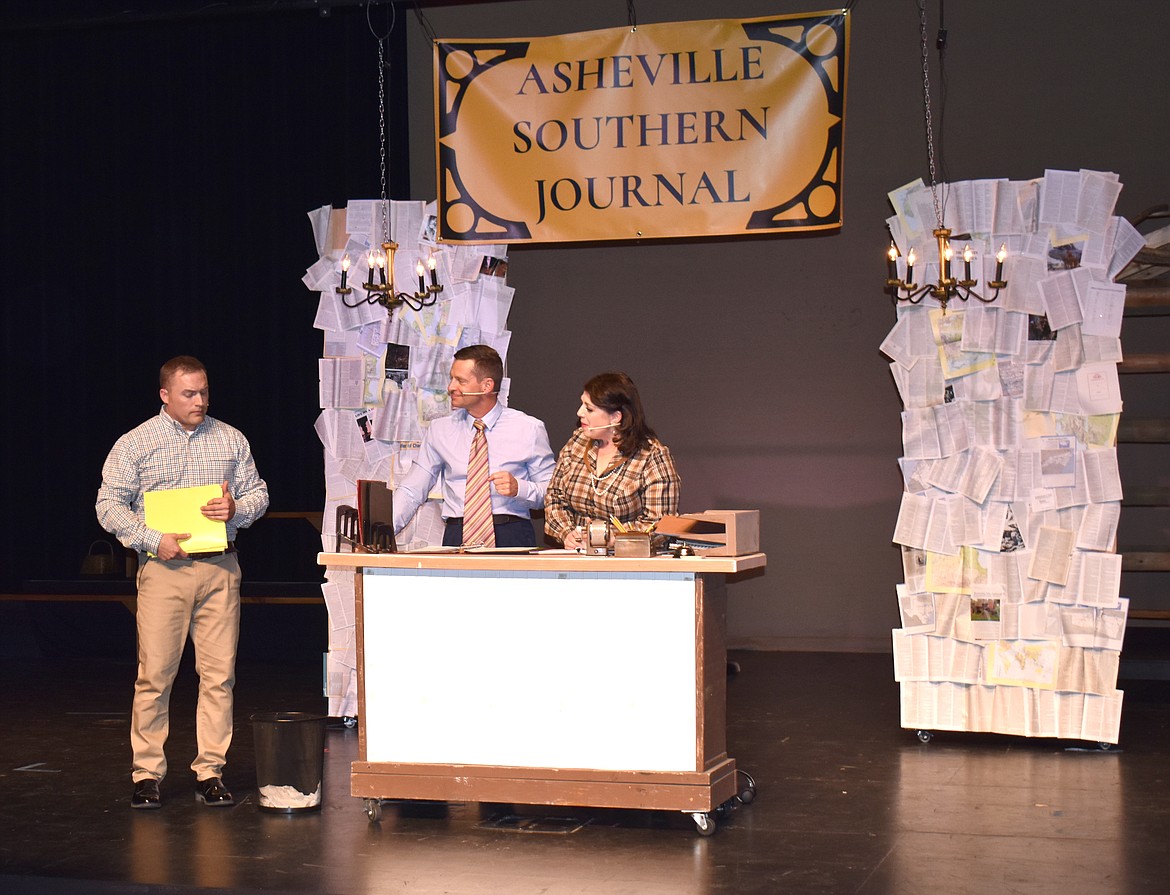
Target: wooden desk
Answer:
[[543, 679]]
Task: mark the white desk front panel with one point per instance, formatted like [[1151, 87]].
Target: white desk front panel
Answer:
[[530, 669]]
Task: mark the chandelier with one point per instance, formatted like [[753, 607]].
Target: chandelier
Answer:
[[947, 287], [379, 286]]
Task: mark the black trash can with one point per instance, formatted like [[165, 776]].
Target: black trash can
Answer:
[[290, 761]]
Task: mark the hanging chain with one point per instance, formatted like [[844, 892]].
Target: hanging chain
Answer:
[[382, 137], [926, 106]]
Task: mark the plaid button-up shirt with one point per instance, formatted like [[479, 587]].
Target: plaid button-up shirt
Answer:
[[636, 490], [161, 455]]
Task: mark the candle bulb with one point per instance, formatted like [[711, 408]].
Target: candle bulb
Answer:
[[1000, 257], [382, 268], [967, 256], [892, 261], [344, 269], [418, 269], [373, 263], [947, 255], [432, 264], [910, 259]]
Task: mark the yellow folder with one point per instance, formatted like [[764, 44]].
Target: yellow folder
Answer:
[[177, 511]]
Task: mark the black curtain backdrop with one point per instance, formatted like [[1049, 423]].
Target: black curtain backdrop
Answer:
[[156, 177]]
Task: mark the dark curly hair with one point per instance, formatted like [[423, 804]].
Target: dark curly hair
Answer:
[[614, 392]]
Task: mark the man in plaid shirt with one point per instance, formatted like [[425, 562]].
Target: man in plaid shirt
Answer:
[[181, 593]]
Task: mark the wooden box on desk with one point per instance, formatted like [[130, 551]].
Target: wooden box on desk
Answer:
[[716, 532]]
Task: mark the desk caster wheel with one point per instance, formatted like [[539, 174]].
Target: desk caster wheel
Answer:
[[747, 795], [924, 736], [704, 823], [1105, 747], [349, 722], [374, 810]]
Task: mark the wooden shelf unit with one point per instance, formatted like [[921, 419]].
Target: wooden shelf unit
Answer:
[[1146, 299]]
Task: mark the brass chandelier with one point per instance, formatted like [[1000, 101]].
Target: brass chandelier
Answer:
[[947, 287], [379, 286]]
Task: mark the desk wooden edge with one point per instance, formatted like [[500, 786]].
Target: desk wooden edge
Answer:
[[553, 562], [683, 791]]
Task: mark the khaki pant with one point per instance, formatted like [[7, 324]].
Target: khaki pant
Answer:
[[199, 597]]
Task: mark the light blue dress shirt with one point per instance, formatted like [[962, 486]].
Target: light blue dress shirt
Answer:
[[517, 443]]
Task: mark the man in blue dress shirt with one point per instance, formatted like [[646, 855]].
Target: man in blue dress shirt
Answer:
[[519, 457]]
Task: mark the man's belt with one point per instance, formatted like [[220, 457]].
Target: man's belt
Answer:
[[231, 548], [498, 519]]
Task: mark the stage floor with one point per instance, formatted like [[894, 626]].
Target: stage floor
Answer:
[[847, 802]]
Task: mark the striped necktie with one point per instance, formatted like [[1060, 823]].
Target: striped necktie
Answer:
[[478, 529]]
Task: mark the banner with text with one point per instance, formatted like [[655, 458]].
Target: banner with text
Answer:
[[715, 128]]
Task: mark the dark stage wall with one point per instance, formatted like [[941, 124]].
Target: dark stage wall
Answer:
[[157, 174]]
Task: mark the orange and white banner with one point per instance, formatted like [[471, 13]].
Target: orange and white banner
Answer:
[[716, 128]]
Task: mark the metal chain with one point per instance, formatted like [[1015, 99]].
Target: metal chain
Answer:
[[926, 106], [382, 137]]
